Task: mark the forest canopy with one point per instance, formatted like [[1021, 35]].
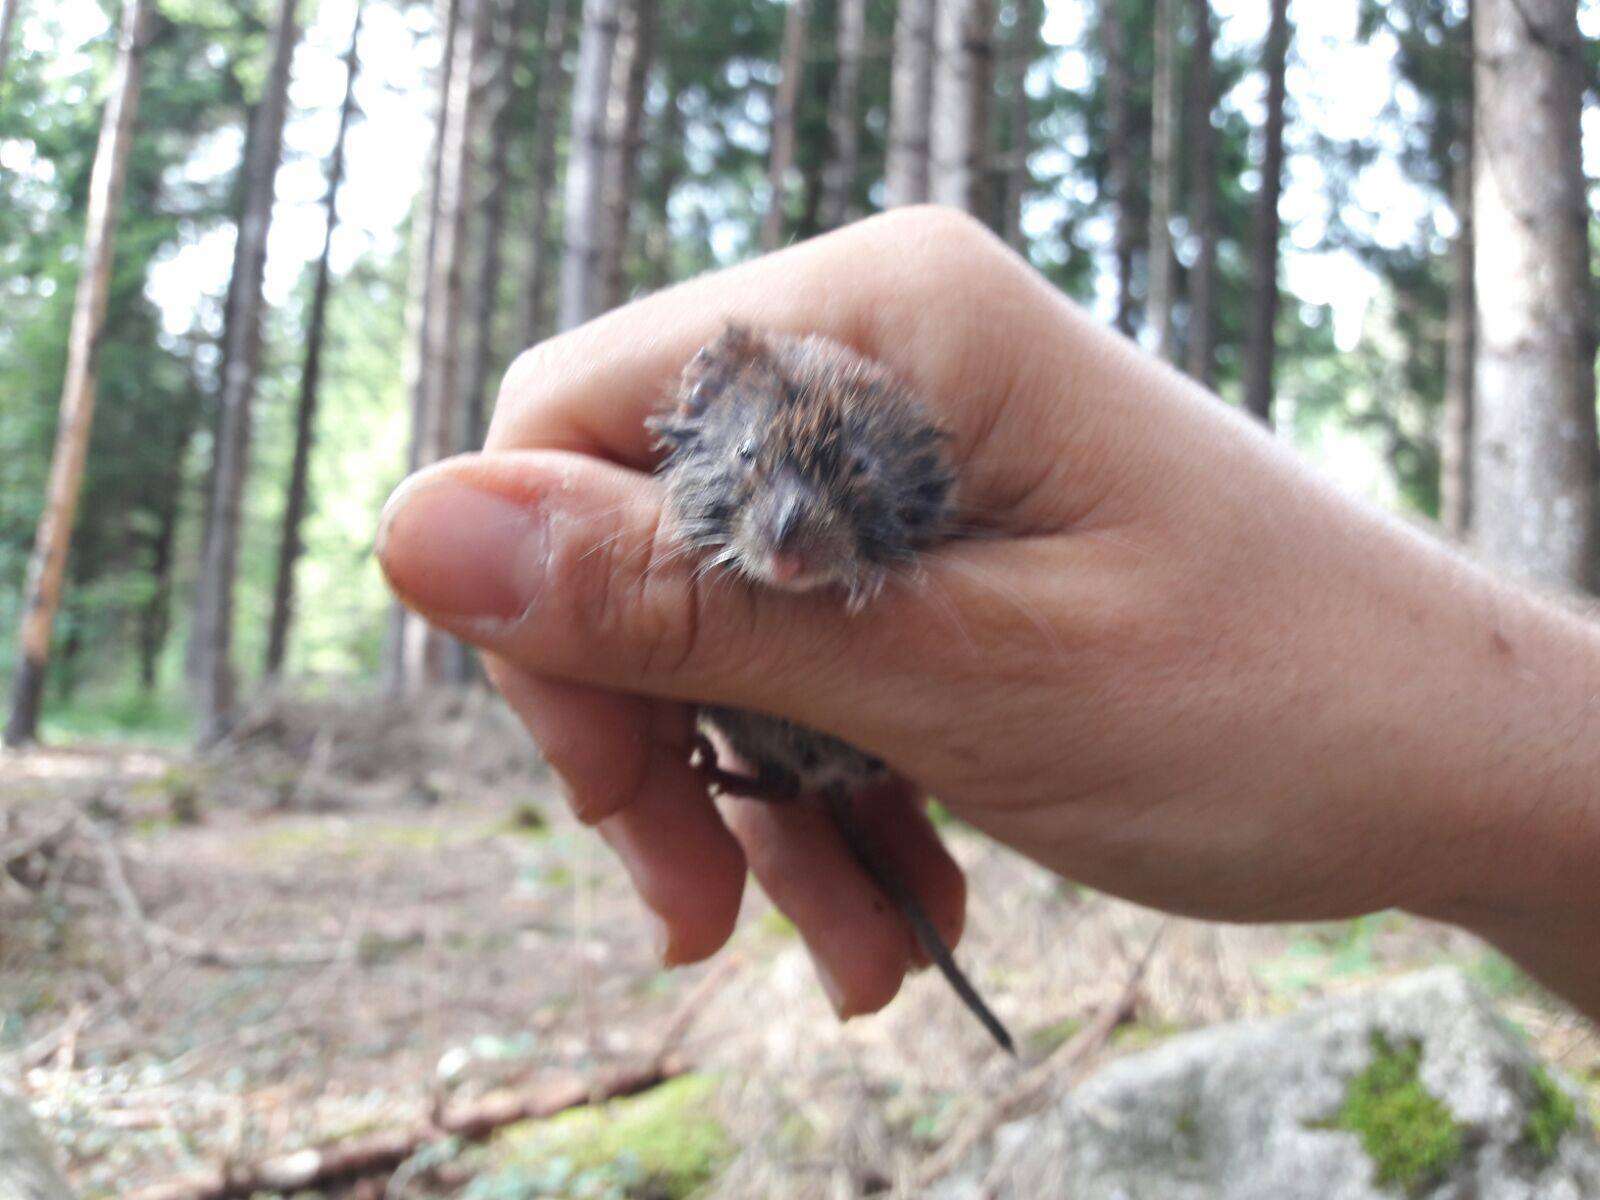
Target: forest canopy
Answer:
[[341, 219]]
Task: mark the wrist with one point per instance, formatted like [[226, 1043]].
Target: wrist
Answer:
[[1520, 827]]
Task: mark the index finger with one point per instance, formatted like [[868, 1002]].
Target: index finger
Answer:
[[928, 292]]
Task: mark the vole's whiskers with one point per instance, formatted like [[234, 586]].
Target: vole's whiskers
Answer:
[[923, 587], [997, 587]]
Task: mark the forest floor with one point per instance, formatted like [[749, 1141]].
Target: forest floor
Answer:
[[352, 917]]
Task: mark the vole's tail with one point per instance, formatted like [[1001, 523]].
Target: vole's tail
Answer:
[[902, 897]]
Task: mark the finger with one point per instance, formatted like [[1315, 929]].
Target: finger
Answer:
[[859, 943], [590, 390], [625, 765], [898, 830]]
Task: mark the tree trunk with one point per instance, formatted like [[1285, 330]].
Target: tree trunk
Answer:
[[1534, 435], [27, 1163], [47, 566], [1119, 153], [419, 288], [213, 629], [155, 619], [785, 112], [960, 119], [636, 47], [427, 651], [586, 158], [839, 177], [1261, 352], [294, 507], [547, 115], [485, 306], [1203, 192], [1024, 48], [910, 103], [1163, 179], [1455, 433], [8, 21], [659, 242]]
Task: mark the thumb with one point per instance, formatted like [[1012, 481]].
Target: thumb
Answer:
[[560, 563]]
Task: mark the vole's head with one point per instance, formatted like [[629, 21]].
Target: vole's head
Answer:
[[801, 464]]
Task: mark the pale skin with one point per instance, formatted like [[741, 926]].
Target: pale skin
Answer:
[[1179, 667]]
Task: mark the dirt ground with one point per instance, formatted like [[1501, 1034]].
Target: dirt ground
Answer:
[[351, 914]]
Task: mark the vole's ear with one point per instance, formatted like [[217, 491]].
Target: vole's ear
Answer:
[[671, 433], [718, 364]]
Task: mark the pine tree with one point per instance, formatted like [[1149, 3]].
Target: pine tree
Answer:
[[586, 159], [47, 567], [219, 559], [1261, 352], [910, 104], [295, 499], [1534, 432]]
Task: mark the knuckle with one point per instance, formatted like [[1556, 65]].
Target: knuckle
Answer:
[[625, 600], [938, 230]]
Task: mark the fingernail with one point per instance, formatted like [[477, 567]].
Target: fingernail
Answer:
[[661, 938], [460, 551], [837, 995]]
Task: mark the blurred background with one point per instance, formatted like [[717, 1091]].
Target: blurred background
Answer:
[[280, 870]]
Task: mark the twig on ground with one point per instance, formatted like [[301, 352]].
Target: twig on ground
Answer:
[[1062, 1068], [689, 1008], [376, 1154], [17, 859], [168, 941]]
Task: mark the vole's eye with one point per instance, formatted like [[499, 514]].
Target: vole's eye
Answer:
[[858, 465], [747, 450]]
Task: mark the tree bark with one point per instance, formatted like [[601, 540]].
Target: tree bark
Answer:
[[1261, 352], [485, 307], [47, 566], [215, 683], [785, 112], [586, 157], [1119, 154], [1024, 48], [8, 21], [294, 507], [27, 1163], [427, 651], [1163, 180], [155, 620], [839, 177], [419, 289], [960, 120], [1455, 433], [547, 116], [910, 104], [1203, 191], [1534, 436], [635, 55]]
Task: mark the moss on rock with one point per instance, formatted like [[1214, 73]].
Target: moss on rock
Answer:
[[1408, 1133], [664, 1143]]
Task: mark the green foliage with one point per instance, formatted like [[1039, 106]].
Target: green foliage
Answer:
[[663, 1144], [1408, 1133]]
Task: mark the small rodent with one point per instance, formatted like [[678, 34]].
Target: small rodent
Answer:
[[800, 465]]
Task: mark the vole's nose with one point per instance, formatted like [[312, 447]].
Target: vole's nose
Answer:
[[787, 518]]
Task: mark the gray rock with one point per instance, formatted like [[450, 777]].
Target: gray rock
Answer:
[[1321, 1105], [27, 1164]]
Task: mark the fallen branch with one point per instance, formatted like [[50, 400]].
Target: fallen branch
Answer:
[[1064, 1067], [380, 1153]]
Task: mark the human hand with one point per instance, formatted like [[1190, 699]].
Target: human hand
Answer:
[[1179, 667]]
